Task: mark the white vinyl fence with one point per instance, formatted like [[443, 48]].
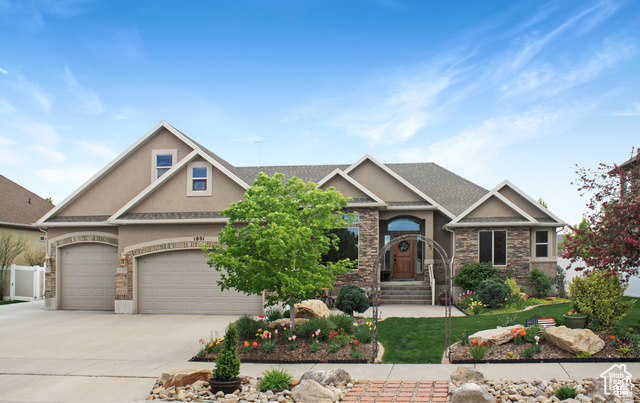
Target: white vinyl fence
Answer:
[[26, 283]]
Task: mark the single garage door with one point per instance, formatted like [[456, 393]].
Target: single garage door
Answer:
[[182, 282], [88, 276]]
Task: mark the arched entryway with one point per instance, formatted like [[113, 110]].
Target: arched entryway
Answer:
[[375, 286], [404, 260]]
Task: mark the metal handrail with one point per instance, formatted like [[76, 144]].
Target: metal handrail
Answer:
[[432, 281]]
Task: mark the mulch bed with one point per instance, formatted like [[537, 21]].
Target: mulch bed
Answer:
[[301, 355], [550, 353]]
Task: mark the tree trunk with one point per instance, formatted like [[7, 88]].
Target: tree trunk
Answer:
[[292, 316]]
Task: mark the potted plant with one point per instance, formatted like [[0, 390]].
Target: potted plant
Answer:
[[443, 296], [225, 375], [575, 320]]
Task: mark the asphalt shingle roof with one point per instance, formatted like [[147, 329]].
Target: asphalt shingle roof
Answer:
[[19, 205]]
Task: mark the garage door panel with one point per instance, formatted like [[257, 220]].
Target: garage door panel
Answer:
[[87, 276], [182, 282]]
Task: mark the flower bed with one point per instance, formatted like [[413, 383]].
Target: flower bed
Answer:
[[277, 343], [615, 350]]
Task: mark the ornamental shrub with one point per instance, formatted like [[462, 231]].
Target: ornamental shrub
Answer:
[[325, 325], [599, 295], [471, 275], [247, 327], [352, 298], [540, 282], [227, 363], [514, 290], [493, 292]]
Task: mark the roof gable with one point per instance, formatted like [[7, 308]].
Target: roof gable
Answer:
[[166, 198], [350, 188], [496, 209], [19, 205]]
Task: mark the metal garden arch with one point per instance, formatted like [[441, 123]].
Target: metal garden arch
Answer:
[[427, 242]]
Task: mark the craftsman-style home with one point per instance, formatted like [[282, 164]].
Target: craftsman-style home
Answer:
[[128, 239]]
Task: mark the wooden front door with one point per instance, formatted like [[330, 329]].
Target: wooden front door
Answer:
[[404, 259]]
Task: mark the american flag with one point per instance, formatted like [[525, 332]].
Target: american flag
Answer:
[[544, 322]]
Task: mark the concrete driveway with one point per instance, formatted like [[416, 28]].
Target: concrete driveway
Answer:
[[84, 356]]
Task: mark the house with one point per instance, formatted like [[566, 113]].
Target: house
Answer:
[[129, 238], [20, 208]]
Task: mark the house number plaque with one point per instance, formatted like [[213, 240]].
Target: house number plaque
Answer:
[[198, 238]]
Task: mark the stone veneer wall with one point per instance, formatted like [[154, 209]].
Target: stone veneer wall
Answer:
[[368, 234], [518, 249], [51, 275]]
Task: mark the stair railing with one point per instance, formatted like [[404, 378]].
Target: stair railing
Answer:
[[432, 281]]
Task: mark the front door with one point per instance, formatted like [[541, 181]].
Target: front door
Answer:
[[403, 259]]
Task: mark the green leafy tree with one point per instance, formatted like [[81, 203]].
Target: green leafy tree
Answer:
[[275, 239], [10, 247]]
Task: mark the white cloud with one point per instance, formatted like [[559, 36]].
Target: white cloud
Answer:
[[6, 107], [470, 151], [11, 156], [3, 71], [96, 149], [634, 110], [48, 153], [90, 100], [5, 141], [38, 133], [72, 176], [398, 114]]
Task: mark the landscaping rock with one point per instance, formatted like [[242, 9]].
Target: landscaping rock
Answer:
[[574, 340], [312, 308], [310, 391], [327, 377], [182, 377], [276, 323], [464, 374], [471, 393], [499, 335]]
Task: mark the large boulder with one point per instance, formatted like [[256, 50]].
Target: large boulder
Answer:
[[310, 391], [279, 322], [327, 377], [464, 374], [182, 377], [499, 335], [312, 308], [573, 340], [471, 393]]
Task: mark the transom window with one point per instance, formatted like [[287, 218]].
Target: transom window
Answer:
[[403, 224], [162, 161], [493, 247], [542, 244], [199, 181]]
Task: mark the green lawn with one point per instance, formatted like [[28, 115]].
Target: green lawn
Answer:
[[421, 340]]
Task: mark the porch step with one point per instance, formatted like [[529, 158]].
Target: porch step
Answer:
[[406, 292]]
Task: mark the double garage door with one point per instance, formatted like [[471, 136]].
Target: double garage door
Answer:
[[178, 282]]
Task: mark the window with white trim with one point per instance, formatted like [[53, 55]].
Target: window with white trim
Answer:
[[162, 161], [542, 243], [492, 247], [199, 179]]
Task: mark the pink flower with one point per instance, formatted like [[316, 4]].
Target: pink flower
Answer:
[[294, 337], [201, 341], [276, 331]]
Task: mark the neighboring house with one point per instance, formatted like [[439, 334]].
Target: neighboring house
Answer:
[[19, 209], [131, 234]]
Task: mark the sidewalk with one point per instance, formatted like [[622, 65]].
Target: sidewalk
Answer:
[[83, 356]]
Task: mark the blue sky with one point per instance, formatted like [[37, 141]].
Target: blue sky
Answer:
[[492, 90]]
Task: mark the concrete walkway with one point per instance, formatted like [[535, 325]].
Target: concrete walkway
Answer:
[[83, 356]]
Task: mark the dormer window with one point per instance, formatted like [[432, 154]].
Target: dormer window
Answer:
[[199, 180], [162, 161]]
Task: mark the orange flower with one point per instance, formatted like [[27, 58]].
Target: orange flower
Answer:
[[514, 330], [612, 337], [255, 344], [522, 332], [246, 344], [474, 341]]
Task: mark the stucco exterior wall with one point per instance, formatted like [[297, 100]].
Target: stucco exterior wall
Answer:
[[493, 207], [124, 181], [343, 186], [381, 183], [32, 236]]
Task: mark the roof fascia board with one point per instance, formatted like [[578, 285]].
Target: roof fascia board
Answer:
[[338, 172], [504, 224], [75, 224], [221, 168], [115, 161], [366, 204], [173, 221], [17, 225], [412, 208], [543, 209], [401, 180], [155, 184]]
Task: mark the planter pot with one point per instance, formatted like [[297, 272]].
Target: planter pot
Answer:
[[443, 300], [227, 387], [575, 320]]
